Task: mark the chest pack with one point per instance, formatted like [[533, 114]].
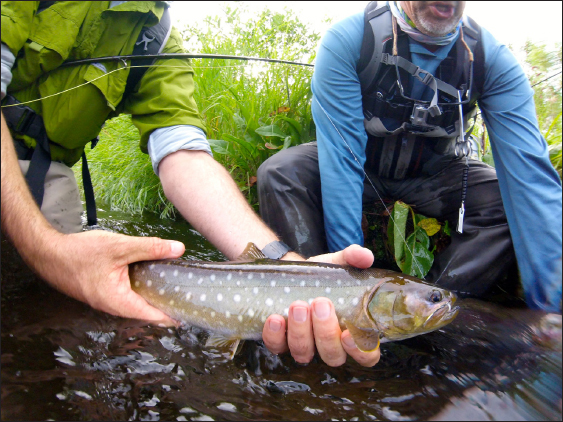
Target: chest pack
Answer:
[[410, 136], [24, 120]]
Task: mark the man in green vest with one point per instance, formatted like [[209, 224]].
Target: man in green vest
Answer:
[[65, 108]]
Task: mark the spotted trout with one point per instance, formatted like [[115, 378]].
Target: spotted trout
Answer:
[[233, 299]]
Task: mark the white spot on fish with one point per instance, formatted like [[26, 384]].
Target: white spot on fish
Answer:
[[195, 312], [177, 289], [151, 266], [262, 275], [355, 301], [229, 276], [255, 290], [188, 295], [263, 318], [327, 290], [341, 301], [338, 282], [302, 284], [175, 273], [228, 289], [246, 289], [273, 283], [171, 302], [236, 298], [309, 271], [202, 297], [239, 272], [283, 274], [317, 282], [286, 289], [239, 318], [269, 302], [358, 282], [149, 283], [221, 323], [212, 314], [219, 297], [286, 311], [238, 282], [250, 276], [161, 292], [162, 274], [190, 275], [227, 314], [200, 281], [281, 300], [212, 277], [250, 313], [137, 284], [143, 272]]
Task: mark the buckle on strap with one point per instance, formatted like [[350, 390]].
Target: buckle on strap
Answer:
[[22, 119], [424, 79]]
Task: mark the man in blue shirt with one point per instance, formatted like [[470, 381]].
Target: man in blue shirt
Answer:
[[311, 195]]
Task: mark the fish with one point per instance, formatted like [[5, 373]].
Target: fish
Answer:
[[233, 299]]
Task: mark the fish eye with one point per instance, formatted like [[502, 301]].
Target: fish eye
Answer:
[[435, 296]]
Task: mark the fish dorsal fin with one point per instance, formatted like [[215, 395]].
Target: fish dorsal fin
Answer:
[[366, 339], [251, 253], [226, 346]]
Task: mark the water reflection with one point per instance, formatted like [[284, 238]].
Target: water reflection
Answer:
[[63, 360]]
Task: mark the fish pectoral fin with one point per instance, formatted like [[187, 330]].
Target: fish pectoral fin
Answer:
[[251, 253], [226, 346], [366, 339]]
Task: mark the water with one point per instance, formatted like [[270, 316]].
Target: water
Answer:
[[62, 360]]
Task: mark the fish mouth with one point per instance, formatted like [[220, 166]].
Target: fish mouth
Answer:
[[442, 316]]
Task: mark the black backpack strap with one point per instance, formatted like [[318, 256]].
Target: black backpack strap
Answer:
[[151, 40], [376, 32], [24, 120]]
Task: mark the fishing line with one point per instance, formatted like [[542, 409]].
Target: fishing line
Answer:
[[372, 185], [130, 67]]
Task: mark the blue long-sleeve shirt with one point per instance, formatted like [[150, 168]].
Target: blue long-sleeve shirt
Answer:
[[530, 187]]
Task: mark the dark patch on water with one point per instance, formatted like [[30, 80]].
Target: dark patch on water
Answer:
[[62, 360]]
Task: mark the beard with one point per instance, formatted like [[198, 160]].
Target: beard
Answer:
[[429, 24]]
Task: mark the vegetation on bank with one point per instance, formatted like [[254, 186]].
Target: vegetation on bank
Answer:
[[254, 109]]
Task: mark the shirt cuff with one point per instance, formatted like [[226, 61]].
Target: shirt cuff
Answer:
[[167, 140], [8, 60]]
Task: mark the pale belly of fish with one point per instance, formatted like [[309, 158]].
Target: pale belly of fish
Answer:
[[234, 299]]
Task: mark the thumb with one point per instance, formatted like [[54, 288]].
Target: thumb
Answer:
[[152, 248]]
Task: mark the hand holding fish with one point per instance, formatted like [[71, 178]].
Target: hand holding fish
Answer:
[[317, 324]]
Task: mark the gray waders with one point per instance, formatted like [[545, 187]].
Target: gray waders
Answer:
[[289, 191]]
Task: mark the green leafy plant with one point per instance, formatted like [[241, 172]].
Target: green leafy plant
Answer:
[[412, 248]]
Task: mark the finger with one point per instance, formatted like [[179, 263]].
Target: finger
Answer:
[[353, 255], [134, 249], [273, 334], [367, 359], [300, 338], [327, 332]]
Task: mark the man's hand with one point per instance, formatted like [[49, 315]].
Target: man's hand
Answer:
[[317, 325], [93, 267]]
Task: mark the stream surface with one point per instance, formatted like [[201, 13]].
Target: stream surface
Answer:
[[62, 360]]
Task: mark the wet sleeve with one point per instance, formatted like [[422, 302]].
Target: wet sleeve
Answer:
[[165, 95], [341, 137], [529, 185]]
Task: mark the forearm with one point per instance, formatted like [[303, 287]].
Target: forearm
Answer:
[[206, 195]]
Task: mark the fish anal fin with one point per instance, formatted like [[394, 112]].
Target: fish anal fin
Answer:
[[226, 346], [251, 253], [366, 339]]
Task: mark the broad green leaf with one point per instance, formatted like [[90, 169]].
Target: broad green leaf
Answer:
[[219, 146], [397, 228], [271, 130], [430, 226], [292, 122], [447, 230], [423, 257]]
